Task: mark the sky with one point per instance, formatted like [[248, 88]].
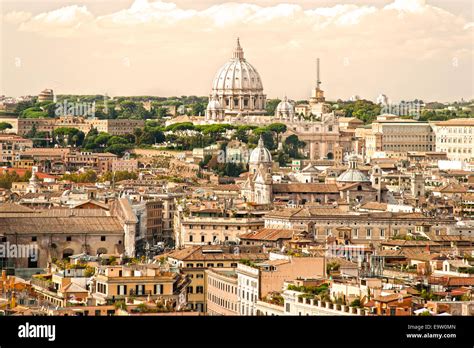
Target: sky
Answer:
[[405, 49]]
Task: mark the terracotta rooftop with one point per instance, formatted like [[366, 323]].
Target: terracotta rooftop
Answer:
[[196, 253], [391, 298], [269, 234], [303, 188]]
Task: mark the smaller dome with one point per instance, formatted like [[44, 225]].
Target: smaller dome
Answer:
[[352, 174], [260, 154], [214, 104], [285, 106], [285, 109]]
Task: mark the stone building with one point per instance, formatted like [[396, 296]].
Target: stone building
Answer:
[[59, 233], [357, 227]]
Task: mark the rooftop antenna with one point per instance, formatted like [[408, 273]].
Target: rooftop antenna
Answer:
[[318, 81]]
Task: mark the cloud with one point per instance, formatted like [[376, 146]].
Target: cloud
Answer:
[[280, 39], [62, 21], [16, 17]]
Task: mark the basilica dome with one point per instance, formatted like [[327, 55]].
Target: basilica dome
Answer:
[[238, 86], [237, 74]]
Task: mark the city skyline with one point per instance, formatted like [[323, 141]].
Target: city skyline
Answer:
[[165, 49]]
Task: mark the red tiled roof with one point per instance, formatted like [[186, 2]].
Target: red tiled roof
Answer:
[[22, 172], [270, 234], [308, 187]]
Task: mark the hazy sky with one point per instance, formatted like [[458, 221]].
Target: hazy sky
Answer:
[[404, 48]]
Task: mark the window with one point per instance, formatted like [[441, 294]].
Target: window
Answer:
[[199, 289], [189, 289], [382, 232], [199, 276], [158, 289], [34, 239], [369, 233], [220, 265], [202, 239], [68, 239], [210, 265], [122, 290], [190, 238], [140, 289], [200, 265], [102, 238], [233, 264]]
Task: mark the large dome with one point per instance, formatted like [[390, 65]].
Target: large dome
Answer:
[[260, 154], [237, 74], [238, 86]]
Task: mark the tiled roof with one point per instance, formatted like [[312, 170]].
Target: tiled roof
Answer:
[[303, 188], [374, 206], [391, 298], [270, 234], [74, 224], [196, 253], [14, 208]]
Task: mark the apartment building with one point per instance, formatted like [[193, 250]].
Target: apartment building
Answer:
[[112, 283], [23, 126], [398, 136], [222, 296], [100, 162], [202, 226], [124, 165], [11, 146], [194, 261], [357, 227], [256, 280], [455, 137]]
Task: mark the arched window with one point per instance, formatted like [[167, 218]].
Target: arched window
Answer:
[[101, 251], [67, 252]]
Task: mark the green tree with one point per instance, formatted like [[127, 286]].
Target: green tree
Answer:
[[271, 106], [277, 128], [69, 136], [4, 126], [198, 109]]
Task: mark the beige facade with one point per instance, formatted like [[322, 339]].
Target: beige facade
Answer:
[[22, 126], [357, 227], [456, 138], [123, 165], [258, 280], [222, 296], [11, 146], [119, 282], [398, 137], [212, 226], [194, 261], [101, 162]]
